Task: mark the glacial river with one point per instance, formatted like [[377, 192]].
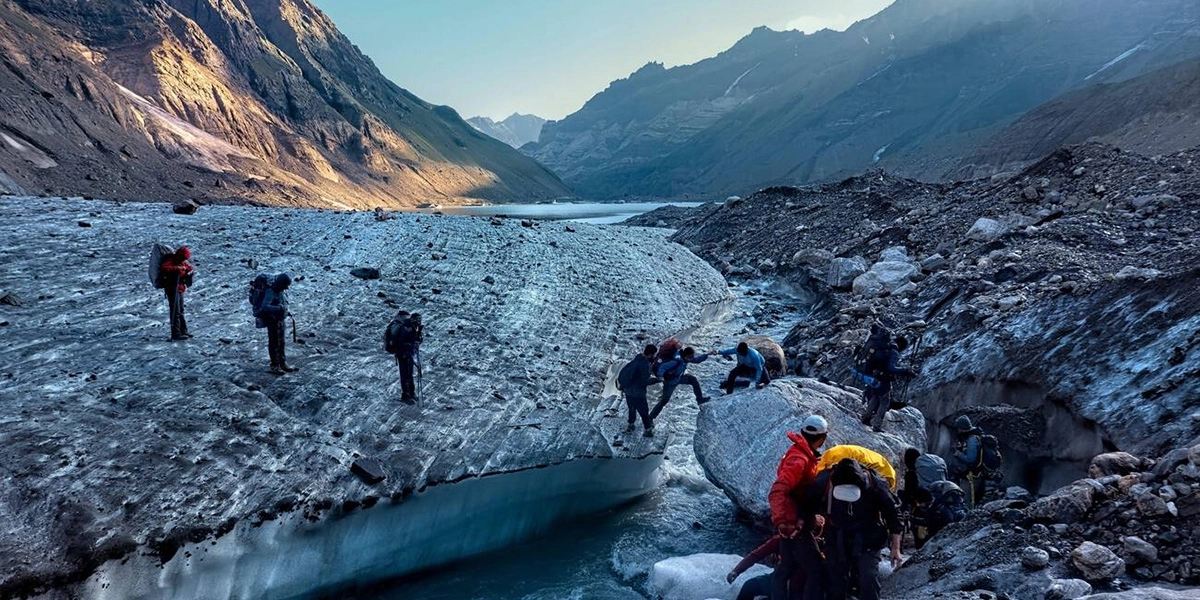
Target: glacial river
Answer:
[[597, 213]]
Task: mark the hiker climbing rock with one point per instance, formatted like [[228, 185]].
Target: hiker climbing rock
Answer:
[[975, 460], [798, 546], [175, 277], [930, 501], [862, 519], [268, 297], [750, 363], [403, 338], [633, 380], [876, 367], [672, 373]]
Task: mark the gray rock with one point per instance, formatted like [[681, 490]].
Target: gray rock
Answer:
[[894, 254], [1153, 200], [813, 257], [868, 284], [986, 230], [1034, 559], [936, 262], [1068, 589], [1151, 505], [1096, 562], [1016, 492], [843, 271], [185, 207], [1066, 505], [1137, 273], [365, 272], [741, 438], [1139, 551], [1115, 463], [1152, 593], [1030, 194]]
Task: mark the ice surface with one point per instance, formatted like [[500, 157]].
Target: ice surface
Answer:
[[699, 576], [116, 439]]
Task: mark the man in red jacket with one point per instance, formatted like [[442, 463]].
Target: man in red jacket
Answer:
[[176, 273], [799, 548]]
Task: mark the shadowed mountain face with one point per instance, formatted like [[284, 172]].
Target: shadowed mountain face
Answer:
[[228, 100], [912, 89], [1157, 113], [516, 130]]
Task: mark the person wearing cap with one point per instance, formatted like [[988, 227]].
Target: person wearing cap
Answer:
[[862, 518], [964, 461], [750, 363], [798, 546], [274, 313]]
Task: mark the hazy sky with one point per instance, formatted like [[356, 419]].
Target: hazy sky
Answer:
[[547, 57]]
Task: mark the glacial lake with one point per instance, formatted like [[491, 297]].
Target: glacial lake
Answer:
[[597, 213]]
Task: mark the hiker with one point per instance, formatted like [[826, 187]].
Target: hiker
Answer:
[[403, 338], [913, 493], [633, 380], [760, 587], [799, 549], [948, 505], [861, 519], [750, 363], [175, 277], [274, 314], [877, 368], [976, 459], [673, 374]]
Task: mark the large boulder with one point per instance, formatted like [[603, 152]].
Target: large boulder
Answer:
[[1068, 589], [843, 271], [1116, 463], [1096, 562], [772, 353], [741, 438], [698, 576], [986, 230], [1153, 593], [885, 277], [1067, 505]]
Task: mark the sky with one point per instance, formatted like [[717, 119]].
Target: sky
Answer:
[[547, 57]]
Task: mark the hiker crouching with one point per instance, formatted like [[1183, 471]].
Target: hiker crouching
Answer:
[[750, 363], [176, 276], [403, 339]]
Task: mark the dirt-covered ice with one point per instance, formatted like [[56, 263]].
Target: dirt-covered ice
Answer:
[[117, 441]]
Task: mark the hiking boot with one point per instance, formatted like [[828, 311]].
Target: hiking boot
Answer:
[[177, 338], [409, 400], [648, 433], [703, 399], [629, 428], [877, 429], [288, 368], [277, 370]]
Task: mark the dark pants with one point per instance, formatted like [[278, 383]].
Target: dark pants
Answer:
[[800, 570], [840, 570], [638, 406], [758, 587], [407, 363], [879, 400], [743, 371], [276, 329], [175, 306], [669, 389]]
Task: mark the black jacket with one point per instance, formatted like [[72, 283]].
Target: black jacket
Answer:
[[635, 376]]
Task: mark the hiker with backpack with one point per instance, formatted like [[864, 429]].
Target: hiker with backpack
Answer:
[[175, 275], [268, 298], [403, 338], [760, 587], [976, 459], [750, 363], [876, 367], [799, 548], [672, 373], [861, 519], [633, 380]]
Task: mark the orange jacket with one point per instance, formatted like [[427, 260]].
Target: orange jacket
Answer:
[[796, 472]]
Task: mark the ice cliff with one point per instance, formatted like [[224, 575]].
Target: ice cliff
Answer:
[[122, 450]]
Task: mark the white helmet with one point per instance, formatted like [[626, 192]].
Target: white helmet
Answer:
[[815, 425]]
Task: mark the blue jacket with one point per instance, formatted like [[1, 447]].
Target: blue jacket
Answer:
[[752, 359], [673, 369], [274, 306], [969, 454]]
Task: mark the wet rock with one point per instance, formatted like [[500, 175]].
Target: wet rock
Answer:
[[1034, 559], [365, 272], [986, 230], [1096, 562], [1115, 463], [1068, 589], [697, 576], [1139, 551], [843, 271], [1066, 505], [11, 299], [185, 207]]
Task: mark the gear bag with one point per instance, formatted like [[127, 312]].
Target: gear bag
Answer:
[[399, 334], [990, 458], [158, 253], [258, 291], [931, 469]]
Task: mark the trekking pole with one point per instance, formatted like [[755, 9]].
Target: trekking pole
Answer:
[[293, 327], [420, 377]]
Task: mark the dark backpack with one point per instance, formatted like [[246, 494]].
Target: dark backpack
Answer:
[[625, 377], [158, 253], [930, 469], [401, 333], [989, 452], [258, 292], [949, 505]]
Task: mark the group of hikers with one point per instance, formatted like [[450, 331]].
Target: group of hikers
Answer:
[[837, 513], [171, 271]]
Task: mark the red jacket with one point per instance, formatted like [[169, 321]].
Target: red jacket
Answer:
[[796, 472], [768, 548], [175, 269]]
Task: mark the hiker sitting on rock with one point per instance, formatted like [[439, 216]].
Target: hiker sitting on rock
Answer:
[[403, 339], [798, 546], [633, 380], [877, 369], [976, 459], [274, 313], [176, 273], [750, 363], [673, 374], [861, 519]]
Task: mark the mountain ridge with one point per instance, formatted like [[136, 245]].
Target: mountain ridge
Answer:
[[516, 130]]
